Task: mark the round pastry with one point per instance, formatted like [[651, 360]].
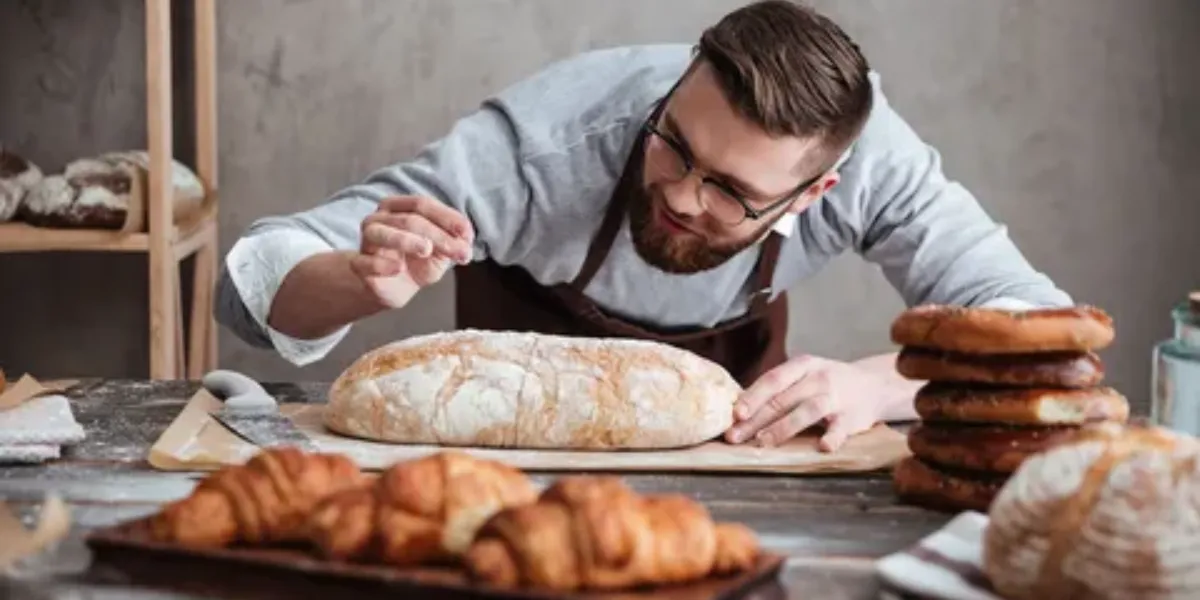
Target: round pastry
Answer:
[[1058, 369], [921, 484], [995, 331], [996, 449], [1019, 406], [1112, 514]]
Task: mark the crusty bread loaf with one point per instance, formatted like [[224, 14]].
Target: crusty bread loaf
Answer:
[[996, 331], [1052, 369], [17, 176], [964, 403], [1111, 515], [107, 192], [527, 390]]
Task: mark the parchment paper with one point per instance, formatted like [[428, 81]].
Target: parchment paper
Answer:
[[196, 442]]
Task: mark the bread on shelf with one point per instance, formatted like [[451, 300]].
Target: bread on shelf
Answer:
[[108, 191], [17, 176]]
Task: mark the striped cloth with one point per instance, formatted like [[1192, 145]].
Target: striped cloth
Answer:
[[946, 565]]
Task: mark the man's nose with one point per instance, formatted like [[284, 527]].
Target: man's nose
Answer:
[[683, 196]]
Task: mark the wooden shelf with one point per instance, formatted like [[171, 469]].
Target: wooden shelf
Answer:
[[165, 241], [22, 237]]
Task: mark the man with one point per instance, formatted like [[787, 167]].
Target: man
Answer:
[[660, 192]]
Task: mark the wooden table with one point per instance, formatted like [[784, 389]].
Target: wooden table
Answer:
[[832, 528]]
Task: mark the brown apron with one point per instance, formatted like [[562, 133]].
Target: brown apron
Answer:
[[491, 296]]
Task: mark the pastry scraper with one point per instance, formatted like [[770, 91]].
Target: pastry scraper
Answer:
[[252, 413]]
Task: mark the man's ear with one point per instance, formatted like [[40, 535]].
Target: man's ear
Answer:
[[815, 191]]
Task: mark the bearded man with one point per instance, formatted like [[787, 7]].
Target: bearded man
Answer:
[[663, 192]]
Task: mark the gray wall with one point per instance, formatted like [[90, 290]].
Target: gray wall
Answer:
[[1073, 120]]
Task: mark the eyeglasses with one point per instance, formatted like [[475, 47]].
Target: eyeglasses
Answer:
[[673, 163]]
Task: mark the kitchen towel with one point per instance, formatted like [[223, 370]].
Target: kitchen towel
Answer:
[[35, 423], [946, 565]]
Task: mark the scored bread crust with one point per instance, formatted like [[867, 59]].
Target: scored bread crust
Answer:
[[996, 331], [921, 484], [527, 390], [996, 449], [1111, 515], [1067, 370], [939, 401]]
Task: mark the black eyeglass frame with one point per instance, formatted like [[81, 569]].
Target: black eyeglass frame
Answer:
[[750, 212]]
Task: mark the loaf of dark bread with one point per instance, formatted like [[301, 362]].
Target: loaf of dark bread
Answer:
[[995, 331], [17, 176], [1052, 369], [107, 192]]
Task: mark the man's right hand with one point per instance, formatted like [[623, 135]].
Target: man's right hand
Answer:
[[407, 241]]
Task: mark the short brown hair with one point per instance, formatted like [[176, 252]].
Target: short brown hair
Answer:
[[791, 71]]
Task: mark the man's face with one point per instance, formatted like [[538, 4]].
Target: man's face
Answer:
[[688, 225]]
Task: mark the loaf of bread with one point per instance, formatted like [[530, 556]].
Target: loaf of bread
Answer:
[[995, 449], [1110, 515], [107, 192], [17, 177], [1051, 369], [995, 331], [527, 390]]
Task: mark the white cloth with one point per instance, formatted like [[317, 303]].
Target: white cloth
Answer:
[[946, 565], [35, 430]]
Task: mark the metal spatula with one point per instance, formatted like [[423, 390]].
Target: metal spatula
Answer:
[[252, 413]]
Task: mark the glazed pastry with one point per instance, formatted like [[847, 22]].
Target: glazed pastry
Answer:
[[995, 331], [919, 483], [266, 500], [1065, 370], [997, 449], [595, 533], [942, 402], [420, 511]]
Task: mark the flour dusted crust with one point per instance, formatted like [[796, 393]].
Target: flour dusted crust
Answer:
[[100, 192], [1114, 514], [996, 331], [979, 404], [527, 390], [17, 176]]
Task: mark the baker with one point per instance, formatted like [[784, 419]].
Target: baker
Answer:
[[665, 192]]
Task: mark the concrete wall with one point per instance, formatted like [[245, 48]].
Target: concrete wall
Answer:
[[1073, 120]]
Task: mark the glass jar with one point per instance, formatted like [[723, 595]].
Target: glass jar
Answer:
[[1175, 372]]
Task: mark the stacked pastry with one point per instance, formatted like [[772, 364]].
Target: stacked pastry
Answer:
[[449, 508], [1002, 386]]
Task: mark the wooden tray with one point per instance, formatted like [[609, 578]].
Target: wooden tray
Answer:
[[126, 551]]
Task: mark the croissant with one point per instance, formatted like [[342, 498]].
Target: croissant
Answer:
[[417, 512], [594, 532], [266, 500]]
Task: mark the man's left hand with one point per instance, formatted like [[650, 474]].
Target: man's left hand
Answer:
[[804, 391]]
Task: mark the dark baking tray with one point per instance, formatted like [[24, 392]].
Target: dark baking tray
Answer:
[[126, 552]]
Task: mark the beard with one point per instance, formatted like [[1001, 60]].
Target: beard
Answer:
[[679, 253]]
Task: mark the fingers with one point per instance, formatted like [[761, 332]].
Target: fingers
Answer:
[[444, 217], [412, 234], [375, 265], [789, 400], [771, 384], [806, 414], [840, 428]]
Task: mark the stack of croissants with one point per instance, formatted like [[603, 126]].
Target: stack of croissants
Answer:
[[582, 532]]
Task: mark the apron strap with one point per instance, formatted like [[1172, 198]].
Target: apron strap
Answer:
[[602, 242], [764, 275]]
